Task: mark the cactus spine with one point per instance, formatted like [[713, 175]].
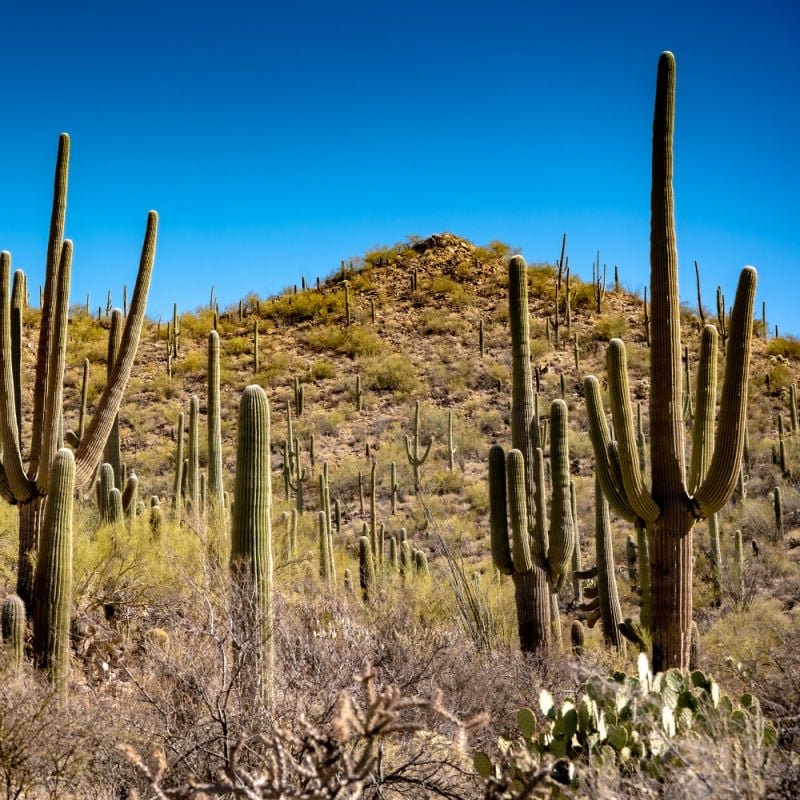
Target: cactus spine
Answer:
[[53, 581], [251, 531], [669, 509]]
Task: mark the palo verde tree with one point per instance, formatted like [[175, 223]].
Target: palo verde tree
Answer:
[[669, 509], [27, 486]]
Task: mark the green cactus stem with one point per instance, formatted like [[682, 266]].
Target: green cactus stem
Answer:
[[216, 489], [481, 340], [715, 557], [577, 583], [451, 448], [156, 519], [53, 580], [393, 486], [299, 397], [111, 453], [193, 454], [251, 535], [669, 508], [777, 505], [416, 458], [562, 531], [577, 638], [738, 570], [359, 395], [366, 569], [631, 561], [12, 625], [256, 352]]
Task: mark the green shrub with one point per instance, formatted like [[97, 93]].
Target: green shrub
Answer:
[[786, 346], [353, 341], [610, 326], [392, 374]]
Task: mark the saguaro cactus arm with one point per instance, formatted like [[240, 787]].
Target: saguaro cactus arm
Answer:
[[720, 479], [21, 489], [703, 428], [636, 492], [91, 447], [601, 439]]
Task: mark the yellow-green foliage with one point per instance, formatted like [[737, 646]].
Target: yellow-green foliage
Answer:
[[542, 283], [307, 305], [394, 373], [450, 291], [611, 326], [351, 341], [123, 565], [786, 346], [437, 321]]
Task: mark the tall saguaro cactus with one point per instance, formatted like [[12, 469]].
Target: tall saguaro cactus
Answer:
[[27, 486], [251, 533], [526, 559], [53, 584], [668, 510], [216, 489]]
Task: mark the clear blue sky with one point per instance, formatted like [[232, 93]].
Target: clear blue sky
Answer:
[[276, 139]]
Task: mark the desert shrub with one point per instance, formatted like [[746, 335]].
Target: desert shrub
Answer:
[[610, 326], [451, 291], [322, 369], [436, 321], [352, 341], [303, 306], [393, 374], [542, 283], [785, 346]]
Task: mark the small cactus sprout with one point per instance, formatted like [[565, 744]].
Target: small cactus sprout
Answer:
[[156, 520], [421, 563], [577, 636], [12, 619]]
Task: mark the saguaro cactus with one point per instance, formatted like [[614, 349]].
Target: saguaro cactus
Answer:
[[12, 618], [216, 490], [518, 504], [112, 453], [416, 458], [251, 531], [28, 486], [53, 582], [671, 506]]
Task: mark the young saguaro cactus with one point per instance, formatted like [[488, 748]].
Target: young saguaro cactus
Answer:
[[53, 581], [216, 489], [251, 531], [12, 619], [670, 507], [416, 458], [27, 486]]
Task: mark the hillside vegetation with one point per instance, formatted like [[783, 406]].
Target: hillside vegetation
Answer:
[[152, 619]]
